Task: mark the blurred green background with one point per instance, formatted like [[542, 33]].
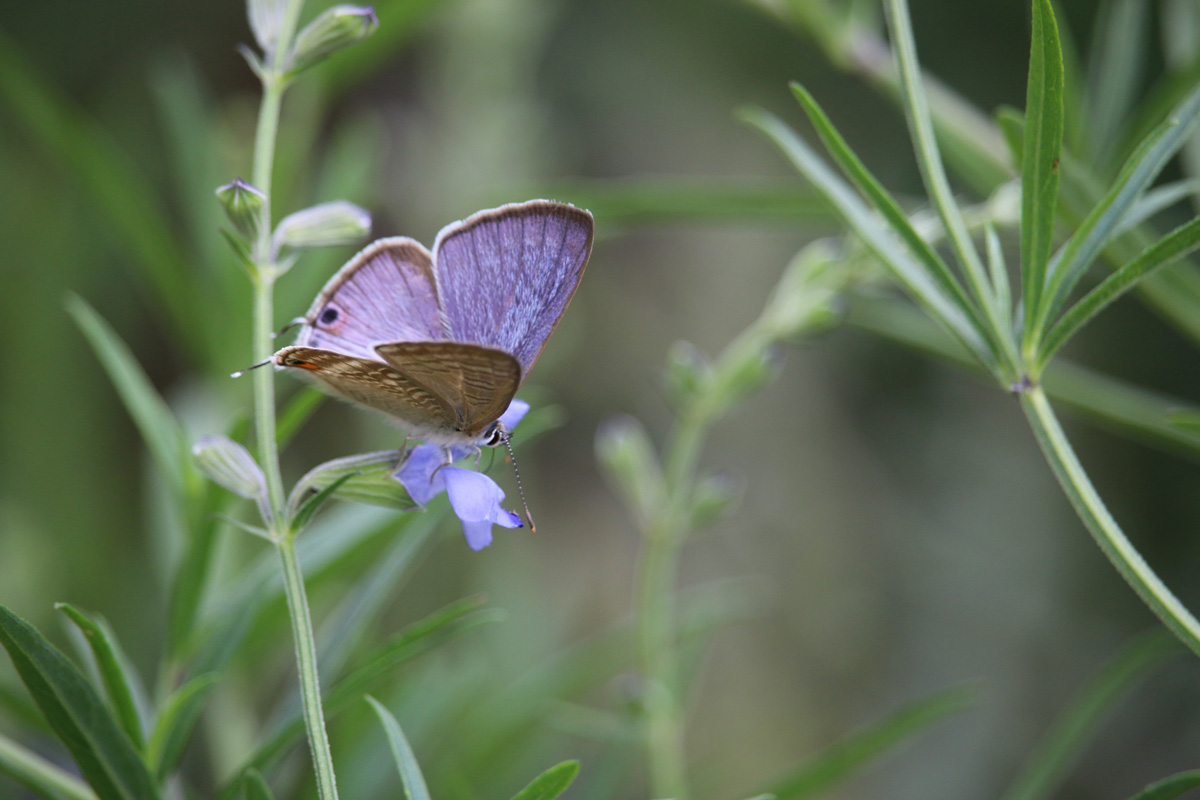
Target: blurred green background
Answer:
[[899, 531]]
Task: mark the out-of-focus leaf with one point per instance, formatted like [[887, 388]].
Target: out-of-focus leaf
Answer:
[[551, 783], [1158, 199], [1115, 71], [1170, 787], [858, 749], [154, 419], [297, 411], [78, 716], [112, 666], [414, 640], [108, 177], [313, 503], [1079, 724], [48, 780], [630, 202], [175, 722], [402, 754], [256, 786], [1040, 158]]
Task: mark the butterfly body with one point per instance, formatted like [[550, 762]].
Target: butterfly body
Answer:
[[441, 341]]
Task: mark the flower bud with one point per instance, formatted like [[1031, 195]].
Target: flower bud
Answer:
[[687, 371], [364, 478], [625, 453], [334, 29], [243, 205], [713, 498], [322, 225], [231, 466], [266, 18]]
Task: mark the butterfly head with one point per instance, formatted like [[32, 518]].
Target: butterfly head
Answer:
[[494, 435]]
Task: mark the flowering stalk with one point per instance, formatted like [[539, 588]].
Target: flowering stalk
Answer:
[[282, 534]]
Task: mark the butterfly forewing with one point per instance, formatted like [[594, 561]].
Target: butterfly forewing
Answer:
[[505, 276], [376, 385], [477, 382], [386, 293]]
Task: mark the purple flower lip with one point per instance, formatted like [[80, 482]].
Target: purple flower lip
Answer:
[[474, 497]]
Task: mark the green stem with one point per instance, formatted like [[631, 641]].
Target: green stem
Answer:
[[282, 534], [1104, 529], [306, 663], [656, 615]]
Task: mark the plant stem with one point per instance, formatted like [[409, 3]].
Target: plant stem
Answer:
[[656, 615], [1104, 529], [306, 664], [282, 533]]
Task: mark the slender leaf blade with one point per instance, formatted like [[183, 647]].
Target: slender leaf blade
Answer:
[[117, 684], [1042, 149], [1041, 776], [256, 786], [175, 723], [78, 716], [910, 274], [154, 419], [843, 758], [402, 754], [47, 779], [1171, 247], [1170, 787], [866, 183], [551, 783]]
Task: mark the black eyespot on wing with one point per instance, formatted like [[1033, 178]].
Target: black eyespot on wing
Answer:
[[329, 315]]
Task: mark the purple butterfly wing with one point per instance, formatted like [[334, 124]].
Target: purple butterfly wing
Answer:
[[506, 275], [386, 293]]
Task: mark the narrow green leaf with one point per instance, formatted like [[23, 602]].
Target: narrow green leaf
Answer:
[[154, 419], [78, 716], [364, 478], [933, 173], [842, 759], [1042, 775], [551, 783], [1139, 170], [313, 504], [1156, 200], [1170, 787], [402, 754], [1012, 125], [998, 272], [629, 202], [297, 411], [1042, 149], [43, 777], [175, 722], [108, 176], [117, 683], [414, 640], [1114, 72], [866, 183], [256, 786], [1171, 247], [878, 238]]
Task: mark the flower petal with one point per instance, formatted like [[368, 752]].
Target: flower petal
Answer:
[[474, 496], [517, 410], [479, 534], [420, 474]]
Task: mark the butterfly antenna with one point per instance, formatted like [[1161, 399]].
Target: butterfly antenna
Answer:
[[289, 326], [242, 372], [520, 488]]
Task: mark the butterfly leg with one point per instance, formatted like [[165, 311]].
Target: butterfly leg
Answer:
[[449, 460]]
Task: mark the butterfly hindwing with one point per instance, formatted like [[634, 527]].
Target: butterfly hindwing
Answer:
[[374, 384], [477, 382], [506, 275], [385, 293]]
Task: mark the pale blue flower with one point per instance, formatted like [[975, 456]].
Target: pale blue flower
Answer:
[[474, 497]]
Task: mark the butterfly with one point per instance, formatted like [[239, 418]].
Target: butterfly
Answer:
[[441, 341]]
